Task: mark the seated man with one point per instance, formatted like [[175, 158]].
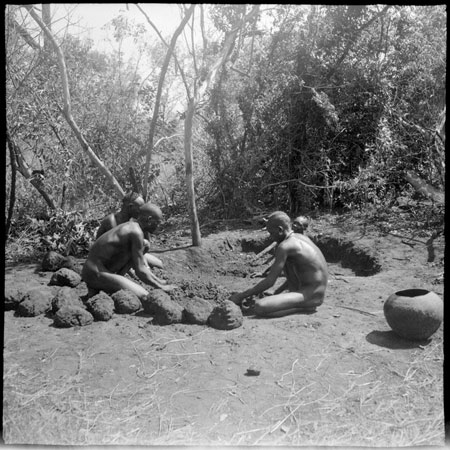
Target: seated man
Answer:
[[119, 249], [305, 269], [130, 210], [299, 225]]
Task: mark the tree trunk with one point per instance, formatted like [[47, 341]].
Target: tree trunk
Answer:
[[24, 33], [230, 39], [23, 168], [47, 19], [12, 195], [162, 76], [195, 227], [67, 104]]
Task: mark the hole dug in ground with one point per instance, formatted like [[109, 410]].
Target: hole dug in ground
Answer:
[[361, 260]]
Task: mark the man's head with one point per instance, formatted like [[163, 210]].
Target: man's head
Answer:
[[131, 204], [300, 224], [150, 216], [278, 225]]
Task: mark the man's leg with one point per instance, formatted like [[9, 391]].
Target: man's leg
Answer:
[[151, 261], [283, 304], [110, 283]]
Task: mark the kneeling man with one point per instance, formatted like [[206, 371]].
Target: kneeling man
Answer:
[[119, 249], [304, 266]]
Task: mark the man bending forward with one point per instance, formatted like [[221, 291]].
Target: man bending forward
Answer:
[[119, 249]]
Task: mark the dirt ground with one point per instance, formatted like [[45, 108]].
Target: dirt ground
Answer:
[[336, 377]]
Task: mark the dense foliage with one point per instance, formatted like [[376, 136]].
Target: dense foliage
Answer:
[[337, 104], [320, 106]]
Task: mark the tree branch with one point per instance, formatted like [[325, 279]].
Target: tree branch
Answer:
[[23, 33], [159, 91], [12, 194], [350, 42], [166, 44], [23, 168], [67, 102]]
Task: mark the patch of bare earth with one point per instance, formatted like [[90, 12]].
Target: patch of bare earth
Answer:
[[338, 376]]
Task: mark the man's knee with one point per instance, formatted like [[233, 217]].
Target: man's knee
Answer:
[[259, 309], [316, 300]]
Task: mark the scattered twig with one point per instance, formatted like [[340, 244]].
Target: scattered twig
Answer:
[[230, 245], [357, 310], [237, 396], [404, 237], [287, 373], [177, 354]]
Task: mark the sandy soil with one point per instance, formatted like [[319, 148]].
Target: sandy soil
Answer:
[[339, 376]]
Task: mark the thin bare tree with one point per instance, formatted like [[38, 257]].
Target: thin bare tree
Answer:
[[162, 76], [67, 108], [194, 101], [195, 96]]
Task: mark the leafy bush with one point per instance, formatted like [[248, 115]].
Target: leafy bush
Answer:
[[65, 233]]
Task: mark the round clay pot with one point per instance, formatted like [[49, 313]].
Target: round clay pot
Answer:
[[414, 314]]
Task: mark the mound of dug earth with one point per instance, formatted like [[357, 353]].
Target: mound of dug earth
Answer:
[[72, 316], [101, 306], [126, 302], [65, 277], [13, 296], [66, 296], [197, 311], [226, 316], [54, 261], [35, 302], [164, 309], [207, 290]]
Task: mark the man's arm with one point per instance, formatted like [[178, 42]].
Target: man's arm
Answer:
[[138, 262], [269, 281], [281, 288]]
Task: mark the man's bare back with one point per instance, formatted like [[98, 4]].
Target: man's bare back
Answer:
[[113, 250], [305, 265]]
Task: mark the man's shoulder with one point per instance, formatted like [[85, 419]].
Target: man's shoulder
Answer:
[[283, 246], [131, 227], [296, 242]]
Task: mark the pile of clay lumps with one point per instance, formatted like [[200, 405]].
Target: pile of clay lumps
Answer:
[[224, 316], [66, 301]]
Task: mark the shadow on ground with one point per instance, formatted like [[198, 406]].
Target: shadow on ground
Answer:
[[389, 339]]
